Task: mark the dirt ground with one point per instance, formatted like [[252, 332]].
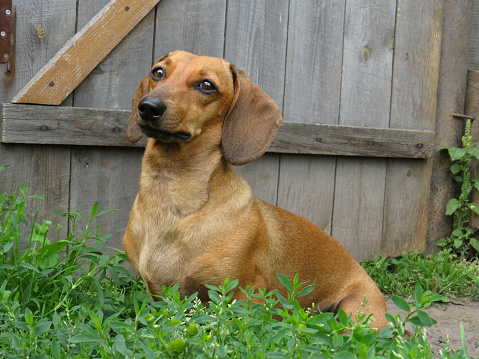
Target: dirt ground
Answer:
[[449, 316]]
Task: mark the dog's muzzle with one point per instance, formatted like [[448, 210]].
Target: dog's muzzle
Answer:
[[151, 109]]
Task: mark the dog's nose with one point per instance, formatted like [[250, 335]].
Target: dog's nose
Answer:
[[151, 108]]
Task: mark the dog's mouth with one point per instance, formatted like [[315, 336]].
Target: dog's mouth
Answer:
[[165, 136]]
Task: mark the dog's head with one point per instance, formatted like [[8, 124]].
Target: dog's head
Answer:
[[185, 95]]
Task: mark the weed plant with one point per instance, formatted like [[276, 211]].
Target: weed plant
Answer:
[[68, 299], [442, 273], [463, 239]]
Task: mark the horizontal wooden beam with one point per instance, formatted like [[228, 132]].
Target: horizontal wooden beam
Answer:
[[88, 127], [83, 52]]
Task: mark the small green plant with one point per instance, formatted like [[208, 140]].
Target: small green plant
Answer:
[[441, 273], [461, 240], [68, 299]]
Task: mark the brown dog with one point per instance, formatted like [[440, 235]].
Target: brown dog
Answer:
[[195, 221]]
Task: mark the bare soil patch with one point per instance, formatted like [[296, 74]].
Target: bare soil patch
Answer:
[[449, 316]]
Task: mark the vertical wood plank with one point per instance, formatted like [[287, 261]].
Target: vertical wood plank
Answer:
[[413, 106], [111, 175], [196, 26], [357, 220], [451, 94], [256, 35], [312, 95], [474, 43], [306, 188], [45, 171], [365, 101], [43, 26]]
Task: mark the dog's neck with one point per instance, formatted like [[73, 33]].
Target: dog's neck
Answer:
[[180, 175]]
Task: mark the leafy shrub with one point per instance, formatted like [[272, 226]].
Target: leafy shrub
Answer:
[[441, 273], [68, 299], [462, 240]]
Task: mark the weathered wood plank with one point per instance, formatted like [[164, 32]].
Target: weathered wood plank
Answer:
[[89, 127], [111, 175], [451, 94], [472, 109], [474, 43], [365, 101], [256, 34], [79, 56], [306, 188], [43, 26], [312, 94], [413, 106], [197, 26]]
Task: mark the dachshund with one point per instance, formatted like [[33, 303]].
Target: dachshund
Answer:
[[195, 221]]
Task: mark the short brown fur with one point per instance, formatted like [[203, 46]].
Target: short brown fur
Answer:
[[196, 222]]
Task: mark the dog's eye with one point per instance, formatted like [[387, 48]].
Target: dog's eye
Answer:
[[206, 86], [157, 74]]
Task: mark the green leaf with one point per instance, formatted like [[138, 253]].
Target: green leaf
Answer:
[[343, 317], [457, 243], [320, 318], [475, 243], [418, 292], [344, 355], [474, 207], [306, 290], [275, 355], [475, 152], [456, 153], [99, 290], [426, 320], [232, 285], [55, 350], [285, 281], [42, 327], [29, 317], [401, 303], [94, 209], [452, 206], [84, 338], [442, 242], [214, 296], [455, 168]]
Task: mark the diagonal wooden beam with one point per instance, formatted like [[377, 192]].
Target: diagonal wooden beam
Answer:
[[83, 52]]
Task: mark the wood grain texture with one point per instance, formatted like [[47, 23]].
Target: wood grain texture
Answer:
[[474, 43], [451, 93], [312, 95], [365, 101], [472, 109], [196, 26], [356, 189], [79, 56], [413, 106], [306, 188], [111, 175], [43, 26], [255, 40], [90, 127]]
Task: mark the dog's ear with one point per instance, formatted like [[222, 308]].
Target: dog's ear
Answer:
[[133, 131], [252, 122]]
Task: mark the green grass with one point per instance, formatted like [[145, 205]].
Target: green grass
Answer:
[[441, 273], [66, 298]]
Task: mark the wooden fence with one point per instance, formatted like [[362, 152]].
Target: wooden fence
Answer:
[[358, 81]]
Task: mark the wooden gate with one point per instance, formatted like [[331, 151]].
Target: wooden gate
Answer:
[[356, 80]]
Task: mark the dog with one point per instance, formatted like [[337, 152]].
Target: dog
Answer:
[[195, 221]]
